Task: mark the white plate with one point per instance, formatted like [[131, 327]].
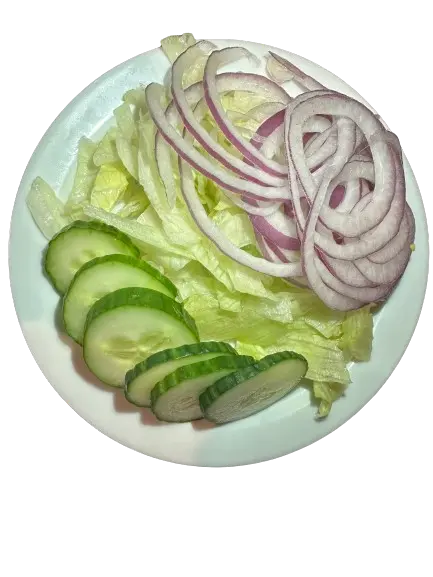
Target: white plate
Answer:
[[285, 427]]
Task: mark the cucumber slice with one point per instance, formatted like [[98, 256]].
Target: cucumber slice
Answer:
[[176, 397], [253, 388], [140, 381], [78, 243], [101, 276], [127, 325]]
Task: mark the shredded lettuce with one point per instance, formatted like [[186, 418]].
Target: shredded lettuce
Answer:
[[326, 394], [106, 151], [117, 182], [109, 186], [46, 208], [85, 176], [115, 190], [173, 46], [356, 338], [241, 101], [136, 97], [126, 122]]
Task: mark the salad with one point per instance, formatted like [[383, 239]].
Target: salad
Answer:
[[224, 242]]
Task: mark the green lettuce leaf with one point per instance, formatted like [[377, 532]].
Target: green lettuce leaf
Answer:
[[173, 46], [133, 201], [85, 175], [46, 208], [357, 335], [126, 121], [127, 138], [325, 359], [136, 97], [110, 184], [241, 101], [327, 394], [106, 151], [148, 175]]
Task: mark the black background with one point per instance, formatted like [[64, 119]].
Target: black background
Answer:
[[52, 62]]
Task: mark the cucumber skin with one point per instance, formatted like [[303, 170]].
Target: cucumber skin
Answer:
[[124, 259], [177, 353], [173, 354], [85, 225], [212, 393], [189, 372], [141, 297], [129, 260]]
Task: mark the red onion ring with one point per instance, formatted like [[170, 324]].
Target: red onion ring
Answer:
[[218, 152], [328, 158], [277, 228], [340, 105], [208, 227], [198, 161], [300, 77], [249, 151]]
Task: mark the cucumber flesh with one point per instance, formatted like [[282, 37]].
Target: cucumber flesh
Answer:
[[176, 397], [78, 243], [253, 388], [140, 381], [101, 276], [127, 325]]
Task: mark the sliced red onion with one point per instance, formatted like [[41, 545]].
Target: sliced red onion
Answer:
[[395, 245], [263, 246], [268, 127], [331, 297], [277, 71], [273, 143], [317, 124], [296, 187], [379, 236], [288, 209], [315, 160], [225, 82], [300, 77], [208, 227], [270, 136], [365, 188], [201, 163], [181, 65], [347, 272], [343, 188], [360, 158], [351, 196], [387, 273], [340, 105], [337, 196], [284, 254], [274, 254], [314, 144], [249, 151], [277, 228], [262, 209], [313, 125], [366, 294], [262, 112], [369, 242]]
